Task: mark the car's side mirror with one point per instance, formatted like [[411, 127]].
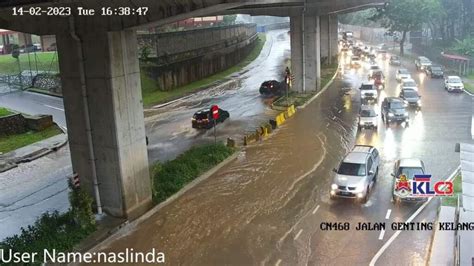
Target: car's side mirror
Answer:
[[392, 174], [371, 172], [334, 170]]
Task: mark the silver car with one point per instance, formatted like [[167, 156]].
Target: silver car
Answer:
[[356, 174], [368, 118]]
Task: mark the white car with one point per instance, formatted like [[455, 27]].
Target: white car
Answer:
[[402, 74], [409, 84], [453, 84], [368, 92], [368, 118]]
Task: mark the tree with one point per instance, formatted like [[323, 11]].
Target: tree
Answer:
[[404, 16], [229, 19]]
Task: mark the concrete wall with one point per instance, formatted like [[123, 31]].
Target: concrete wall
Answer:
[[196, 54], [13, 124]]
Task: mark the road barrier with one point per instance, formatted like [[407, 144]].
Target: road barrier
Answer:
[[267, 128]]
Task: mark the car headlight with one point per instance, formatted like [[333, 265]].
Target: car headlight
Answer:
[[360, 195], [390, 115], [405, 114], [334, 186], [418, 102]]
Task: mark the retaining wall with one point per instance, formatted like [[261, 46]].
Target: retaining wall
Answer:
[[196, 54]]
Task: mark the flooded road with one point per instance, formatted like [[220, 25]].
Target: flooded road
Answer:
[[267, 206], [169, 128]]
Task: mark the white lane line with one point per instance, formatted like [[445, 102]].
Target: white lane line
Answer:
[[316, 209], [278, 262], [394, 236], [382, 233], [389, 211], [53, 107], [298, 234]]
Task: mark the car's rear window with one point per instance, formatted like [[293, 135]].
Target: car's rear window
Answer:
[[436, 68], [351, 169], [201, 115], [409, 84]]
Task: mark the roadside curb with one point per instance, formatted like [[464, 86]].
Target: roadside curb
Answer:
[[127, 226], [14, 162]]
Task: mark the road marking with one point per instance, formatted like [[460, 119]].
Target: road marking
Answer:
[[316, 209], [299, 233], [382, 233], [389, 211], [394, 236], [278, 262], [53, 107]]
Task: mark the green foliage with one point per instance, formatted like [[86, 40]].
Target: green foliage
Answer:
[[229, 19], [4, 112], [54, 230], [171, 176], [464, 46]]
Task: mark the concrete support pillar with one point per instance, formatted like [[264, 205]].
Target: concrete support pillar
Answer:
[[325, 43], [296, 42], [114, 102], [333, 39], [312, 53]]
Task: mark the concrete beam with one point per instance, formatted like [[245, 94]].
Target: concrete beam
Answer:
[[111, 78]]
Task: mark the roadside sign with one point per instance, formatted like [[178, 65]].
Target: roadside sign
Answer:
[[215, 111]]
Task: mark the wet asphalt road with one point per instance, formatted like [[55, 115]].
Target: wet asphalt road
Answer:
[[39, 186], [266, 207]]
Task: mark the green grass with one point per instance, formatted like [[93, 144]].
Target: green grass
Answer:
[[44, 61], [152, 95], [4, 112], [169, 177], [453, 200], [13, 142], [469, 87]]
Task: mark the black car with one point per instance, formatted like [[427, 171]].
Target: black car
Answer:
[[393, 110], [434, 71], [411, 98], [203, 118], [272, 88]]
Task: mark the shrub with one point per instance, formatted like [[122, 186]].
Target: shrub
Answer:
[[170, 177]]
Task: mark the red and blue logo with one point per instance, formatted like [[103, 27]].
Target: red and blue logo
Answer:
[[422, 186]]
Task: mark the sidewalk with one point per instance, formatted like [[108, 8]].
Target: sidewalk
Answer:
[[31, 152]]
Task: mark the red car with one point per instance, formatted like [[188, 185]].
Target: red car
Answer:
[[379, 79]]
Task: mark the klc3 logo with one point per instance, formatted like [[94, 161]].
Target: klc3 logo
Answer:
[[422, 187]]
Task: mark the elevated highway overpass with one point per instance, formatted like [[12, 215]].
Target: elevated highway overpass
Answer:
[[100, 75]]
